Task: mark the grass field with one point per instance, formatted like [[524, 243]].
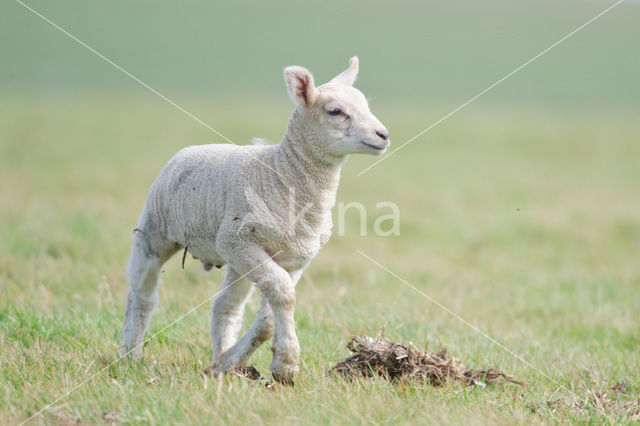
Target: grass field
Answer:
[[520, 213], [526, 225]]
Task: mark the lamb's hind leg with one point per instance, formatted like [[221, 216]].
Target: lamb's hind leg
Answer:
[[227, 312], [148, 254]]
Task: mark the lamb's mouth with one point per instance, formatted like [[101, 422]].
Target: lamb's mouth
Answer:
[[377, 148]]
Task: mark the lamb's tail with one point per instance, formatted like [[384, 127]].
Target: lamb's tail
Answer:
[[260, 142]]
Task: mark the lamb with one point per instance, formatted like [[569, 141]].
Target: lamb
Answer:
[[262, 210]]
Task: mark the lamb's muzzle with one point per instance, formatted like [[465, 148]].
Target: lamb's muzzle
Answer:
[[264, 211]]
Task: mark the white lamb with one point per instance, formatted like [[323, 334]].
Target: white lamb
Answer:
[[233, 205]]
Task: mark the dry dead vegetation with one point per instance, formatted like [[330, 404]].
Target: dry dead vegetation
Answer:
[[378, 356]]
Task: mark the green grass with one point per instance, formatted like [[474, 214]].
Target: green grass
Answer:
[[524, 223]]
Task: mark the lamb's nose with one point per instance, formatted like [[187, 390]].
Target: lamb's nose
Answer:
[[383, 135]]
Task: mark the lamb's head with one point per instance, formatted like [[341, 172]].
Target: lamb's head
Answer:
[[336, 113]]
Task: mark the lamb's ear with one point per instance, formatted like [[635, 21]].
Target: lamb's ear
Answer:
[[300, 86], [349, 75]]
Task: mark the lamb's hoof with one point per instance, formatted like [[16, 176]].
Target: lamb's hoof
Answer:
[[130, 354], [214, 371], [284, 373], [283, 380]]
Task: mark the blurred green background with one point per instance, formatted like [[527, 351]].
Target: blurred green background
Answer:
[[521, 212], [425, 52]]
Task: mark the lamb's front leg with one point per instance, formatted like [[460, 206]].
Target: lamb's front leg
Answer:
[[227, 312], [260, 331], [277, 287]]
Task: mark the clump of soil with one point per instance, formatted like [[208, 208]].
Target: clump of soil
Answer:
[[251, 373], [378, 356]]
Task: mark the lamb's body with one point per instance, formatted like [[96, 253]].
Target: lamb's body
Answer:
[[199, 200], [265, 211]]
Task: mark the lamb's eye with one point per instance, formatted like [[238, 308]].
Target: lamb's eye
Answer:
[[334, 111]]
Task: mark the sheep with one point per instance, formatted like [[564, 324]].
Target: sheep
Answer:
[[262, 210]]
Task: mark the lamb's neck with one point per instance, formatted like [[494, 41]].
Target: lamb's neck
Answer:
[[315, 174]]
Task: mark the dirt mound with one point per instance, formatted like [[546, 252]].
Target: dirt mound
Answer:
[[378, 356]]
